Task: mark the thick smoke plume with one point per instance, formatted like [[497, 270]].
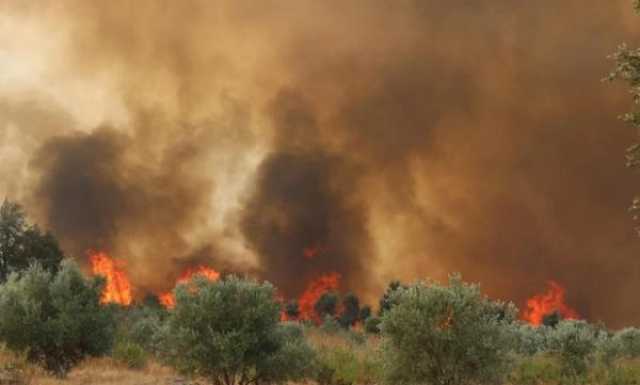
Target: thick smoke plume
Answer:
[[375, 139]]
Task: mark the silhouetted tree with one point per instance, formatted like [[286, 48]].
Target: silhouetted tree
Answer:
[[365, 312], [292, 309], [326, 305], [22, 244], [552, 319], [387, 300], [350, 310]]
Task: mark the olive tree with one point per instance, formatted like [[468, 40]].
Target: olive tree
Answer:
[[574, 342], [446, 335], [229, 332], [531, 339], [22, 244], [627, 69], [57, 319]]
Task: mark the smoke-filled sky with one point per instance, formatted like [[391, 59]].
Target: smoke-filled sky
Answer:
[[377, 139]]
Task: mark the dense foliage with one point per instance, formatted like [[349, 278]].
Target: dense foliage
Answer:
[[229, 331], [22, 244], [57, 318], [446, 335]]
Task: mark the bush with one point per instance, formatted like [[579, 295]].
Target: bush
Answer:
[[530, 339], [326, 305], [350, 311], [387, 300], [130, 354], [365, 313], [229, 331], [330, 325], [539, 369], [574, 342], [56, 319], [22, 244], [344, 365], [372, 325], [626, 343], [142, 326], [446, 335]]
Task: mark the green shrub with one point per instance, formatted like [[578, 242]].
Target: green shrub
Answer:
[[536, 370], [372, 325], [626, 343], [350, 311], [446, 335], [574, 342], [142, 326], [330, 325], [626, 373], [22, 244], [229, 331], [344, 365], [130, 354], [530, 339], [57, 319]]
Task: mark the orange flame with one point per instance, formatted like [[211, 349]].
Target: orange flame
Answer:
[[311, 252], [314, 291], [168, 300], [553, 300], [117, 288]]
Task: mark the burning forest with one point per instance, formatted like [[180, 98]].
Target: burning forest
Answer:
[[327, 149]]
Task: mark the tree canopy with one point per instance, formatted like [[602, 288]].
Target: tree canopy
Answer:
[[22, 244]]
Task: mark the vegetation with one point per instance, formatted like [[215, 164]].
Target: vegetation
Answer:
[[229, 332], [448, 335], [627, 69], [327, 305], [23, 244], [56, 319]]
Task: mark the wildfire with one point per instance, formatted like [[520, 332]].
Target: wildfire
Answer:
[[168, 300], [314, 291], [117, 288], [553, 300]]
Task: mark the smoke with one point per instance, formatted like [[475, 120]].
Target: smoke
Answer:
[[303, 217], [297, 138]]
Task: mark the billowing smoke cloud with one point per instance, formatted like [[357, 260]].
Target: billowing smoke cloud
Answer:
[[378, 140], [304, 217]]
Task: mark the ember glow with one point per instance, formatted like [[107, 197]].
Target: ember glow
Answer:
[[315, 289], [553, 300], [117, 288], [168, 300]]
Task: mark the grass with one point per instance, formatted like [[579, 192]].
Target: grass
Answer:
[[15, 370], [345, 358], [106, 371]]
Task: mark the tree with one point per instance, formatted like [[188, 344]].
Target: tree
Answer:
[[326, 305], [350, 311], [627, 69], [575, 344], [552, 319], [386, 301], [229, 331], [56, 319], [365, 313], [446, 335], [372, 325], [292, 309], [22, 244]]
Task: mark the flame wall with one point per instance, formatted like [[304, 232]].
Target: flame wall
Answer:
[[401, 140]]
